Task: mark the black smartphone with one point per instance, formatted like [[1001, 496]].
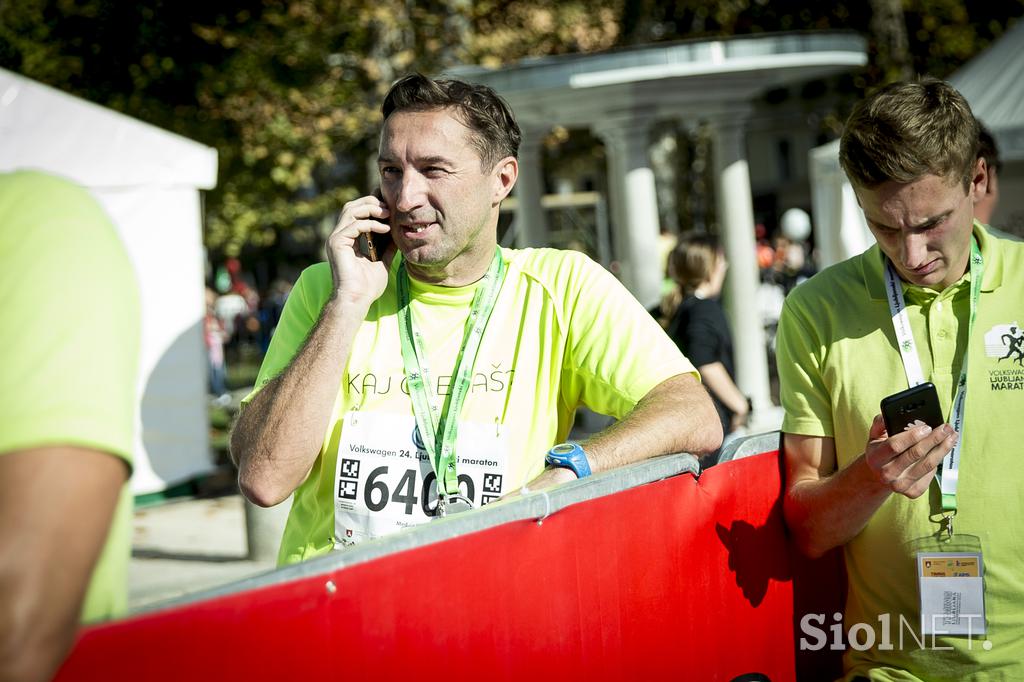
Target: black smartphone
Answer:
[[902, 409], [374, 244]]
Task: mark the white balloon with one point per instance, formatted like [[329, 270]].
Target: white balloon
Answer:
[[796, 224]]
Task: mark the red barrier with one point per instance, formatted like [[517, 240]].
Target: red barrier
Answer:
[[677, 579]]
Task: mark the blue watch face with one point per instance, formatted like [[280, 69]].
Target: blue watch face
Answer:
[[570, 455]]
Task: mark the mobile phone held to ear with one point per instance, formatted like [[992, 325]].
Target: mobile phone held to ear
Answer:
[[374, 244], [919, 403]]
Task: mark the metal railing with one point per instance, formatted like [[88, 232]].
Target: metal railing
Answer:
[[751, 445]]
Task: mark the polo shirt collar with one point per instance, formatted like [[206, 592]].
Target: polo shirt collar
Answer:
[[873, 264]]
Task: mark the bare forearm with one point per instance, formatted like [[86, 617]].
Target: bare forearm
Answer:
[[676, 416], [826, 507], [718, 381], [280, 433], [40, 596], [831, 511]]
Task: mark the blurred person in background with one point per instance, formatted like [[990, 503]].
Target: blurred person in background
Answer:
[[271, 307], [230, 308], [214, 336], [694, 319], [70, 328], [791, 261], [988, 151]]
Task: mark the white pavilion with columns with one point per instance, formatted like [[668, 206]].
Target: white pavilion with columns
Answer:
[[618, 96]]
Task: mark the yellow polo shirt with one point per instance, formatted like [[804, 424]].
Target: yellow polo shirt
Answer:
[[837, 358]]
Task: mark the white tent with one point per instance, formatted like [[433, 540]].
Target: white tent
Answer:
[[993, 83], [148, 180], [840, 230]]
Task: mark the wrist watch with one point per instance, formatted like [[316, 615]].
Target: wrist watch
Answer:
[[569, 456]]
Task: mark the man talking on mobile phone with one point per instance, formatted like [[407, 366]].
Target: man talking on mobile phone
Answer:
[[930, 518], [446, 374]]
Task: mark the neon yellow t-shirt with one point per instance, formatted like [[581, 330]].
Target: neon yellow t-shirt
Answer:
[[70, 325], [837, 358], [564, 332]]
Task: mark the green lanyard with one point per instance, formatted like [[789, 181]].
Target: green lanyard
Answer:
[[439, 426], [949, 475]]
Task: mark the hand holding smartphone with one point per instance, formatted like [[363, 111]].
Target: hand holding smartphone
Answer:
[[918, 403], [374, 244]]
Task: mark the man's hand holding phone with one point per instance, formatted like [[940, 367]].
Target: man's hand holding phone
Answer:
[[357, 277], [905, 462]]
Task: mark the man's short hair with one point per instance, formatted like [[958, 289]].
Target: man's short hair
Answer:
[[495, 133], [988, 150], [908, 130]]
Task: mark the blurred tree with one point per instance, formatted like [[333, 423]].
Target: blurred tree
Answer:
[[905, 36], [288, 91], [298, 88], [139, 59], [889, 31], [504, 31]]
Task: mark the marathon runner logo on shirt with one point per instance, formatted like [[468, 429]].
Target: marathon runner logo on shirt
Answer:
[[1005, 344]]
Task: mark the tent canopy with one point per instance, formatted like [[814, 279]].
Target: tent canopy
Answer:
[[44, 128], [147, 179], [993, 83]]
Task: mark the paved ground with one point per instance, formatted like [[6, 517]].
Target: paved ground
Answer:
[[187, 545]]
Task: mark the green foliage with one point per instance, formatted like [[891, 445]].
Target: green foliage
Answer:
[[299, 87], [940, 34], [506, 31], [288, 91]]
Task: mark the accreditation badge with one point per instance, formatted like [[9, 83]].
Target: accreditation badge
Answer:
[[384, 480], [951, 585]]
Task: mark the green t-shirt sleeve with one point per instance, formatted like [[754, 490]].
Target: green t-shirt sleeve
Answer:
[[616, 351], [70, 322], [299, 316], [800, 357], [71, 329]]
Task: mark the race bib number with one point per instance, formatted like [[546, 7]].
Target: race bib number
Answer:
[[384, 480]]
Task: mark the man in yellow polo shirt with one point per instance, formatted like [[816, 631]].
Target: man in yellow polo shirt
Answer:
[[69, 320], [439, 377], [938, 299]]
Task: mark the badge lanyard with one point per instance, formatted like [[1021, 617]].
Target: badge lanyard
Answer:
[[912, 365], [438, 425]]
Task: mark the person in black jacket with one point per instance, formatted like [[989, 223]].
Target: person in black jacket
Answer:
[[696, 322]]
